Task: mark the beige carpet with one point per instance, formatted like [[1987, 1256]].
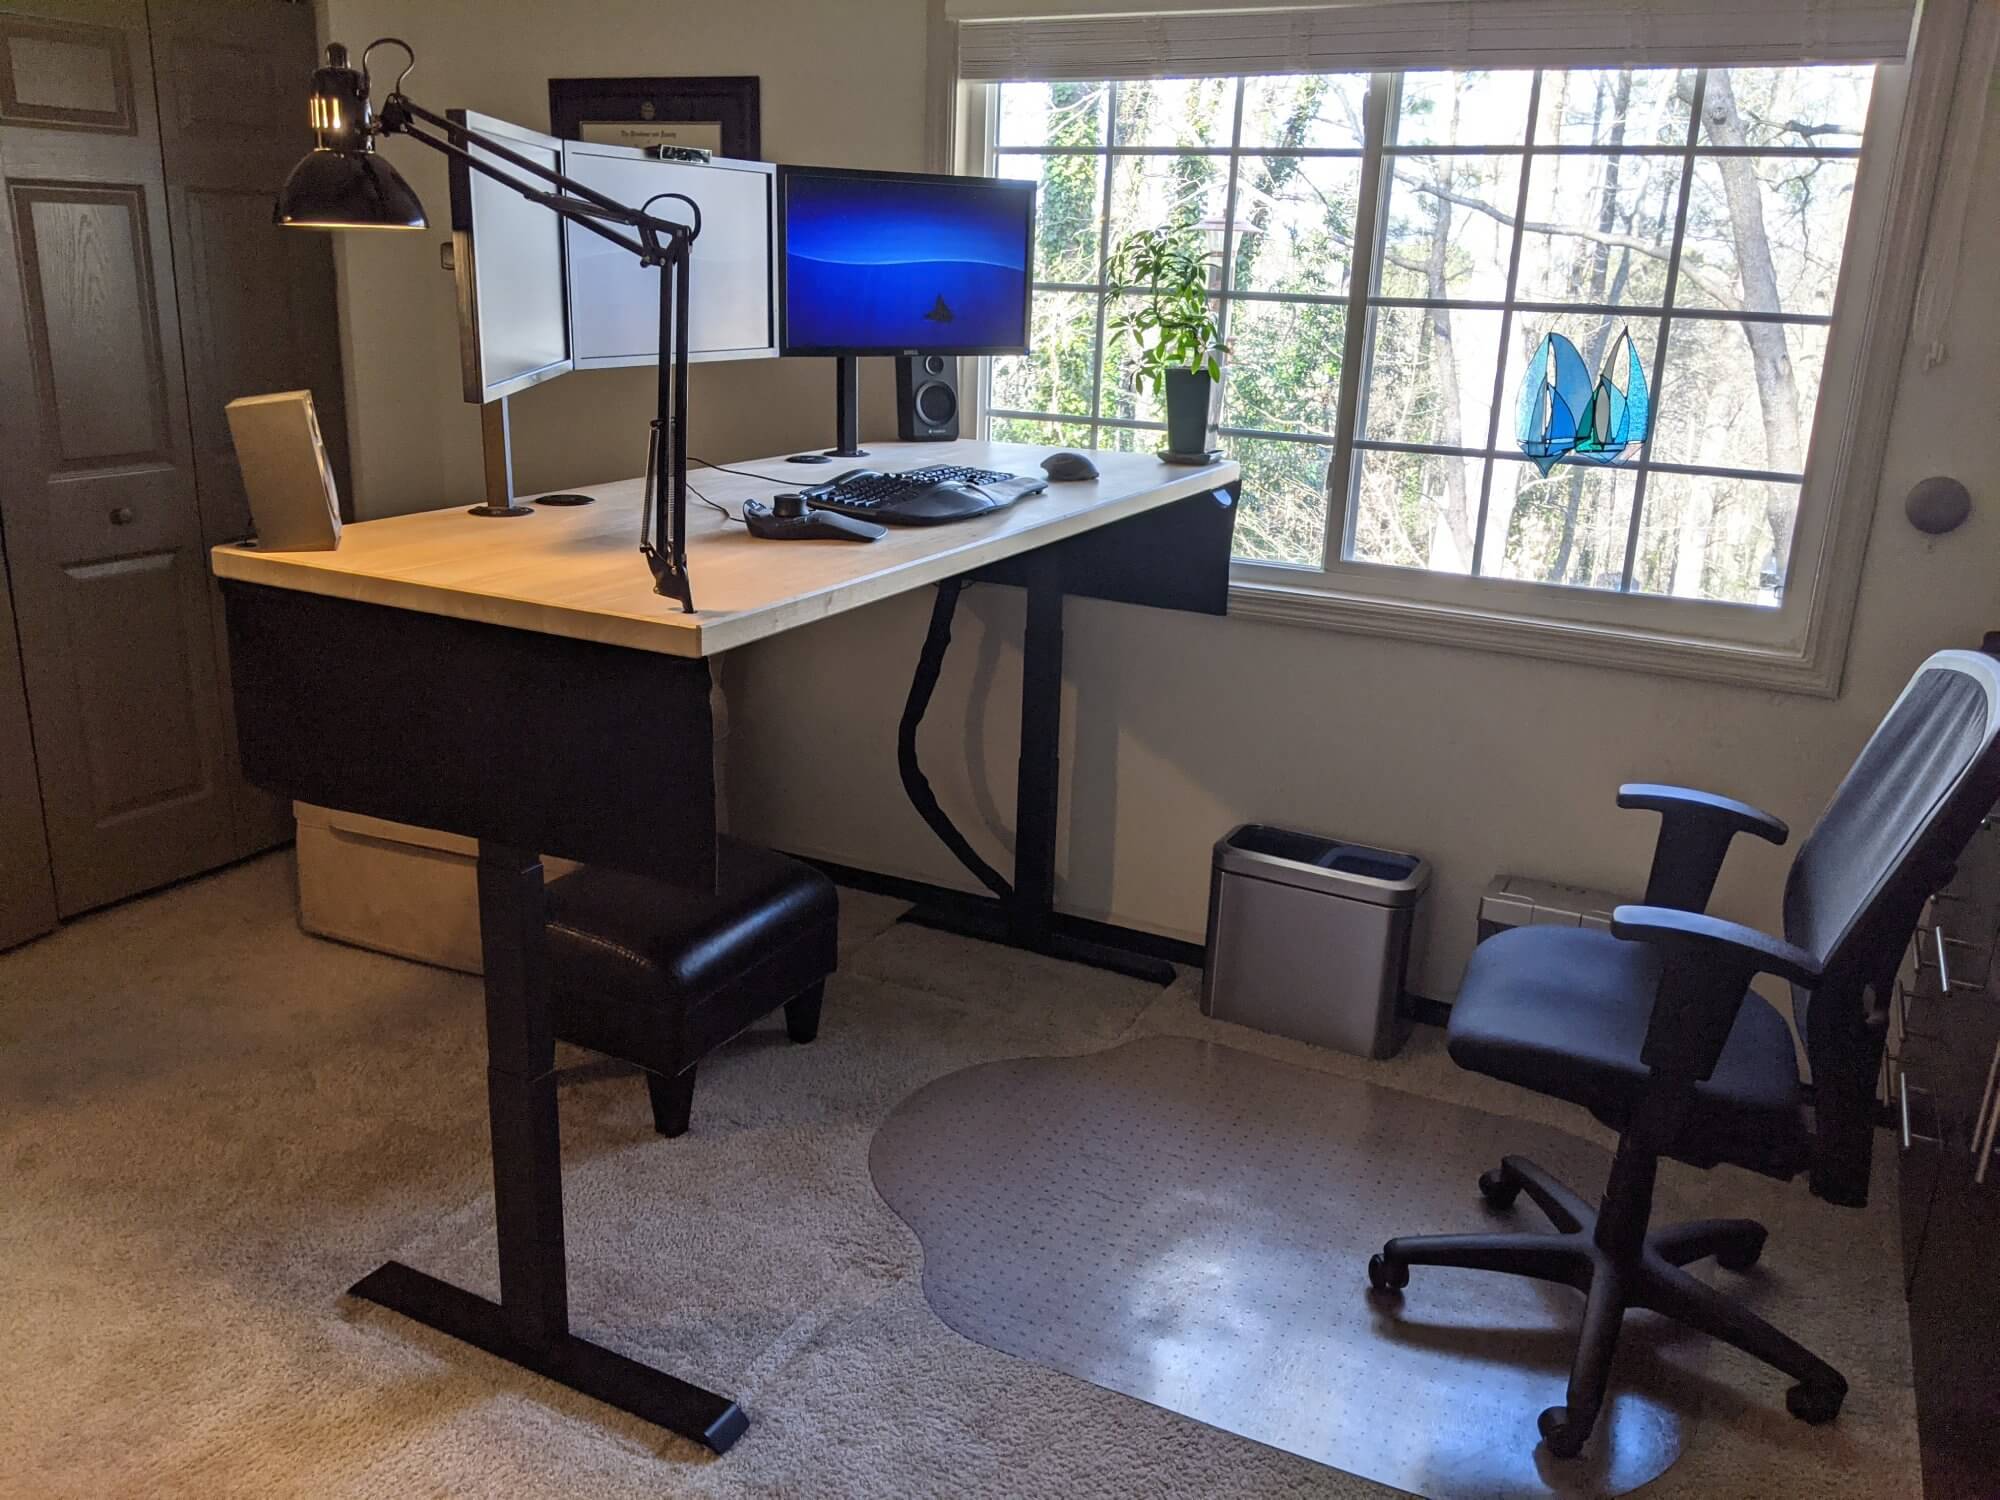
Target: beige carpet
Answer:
[[210, 1124]]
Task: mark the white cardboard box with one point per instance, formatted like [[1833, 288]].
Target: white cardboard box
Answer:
[[391, 887], [410, 891]]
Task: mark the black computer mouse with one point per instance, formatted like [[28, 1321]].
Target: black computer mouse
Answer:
[[1063, 467]]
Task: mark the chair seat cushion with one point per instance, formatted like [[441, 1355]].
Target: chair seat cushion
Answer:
[[658, 973], [1564, 1011]]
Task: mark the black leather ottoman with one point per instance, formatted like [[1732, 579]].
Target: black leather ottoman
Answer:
[[660, 976]]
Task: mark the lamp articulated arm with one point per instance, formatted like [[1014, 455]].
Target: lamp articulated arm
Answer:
[[368, 191], [572, 200], [658, 242]]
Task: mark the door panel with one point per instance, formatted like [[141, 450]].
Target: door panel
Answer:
[[103, 536], [257, 302], [27, 891], [129, 651], [86, 261], [229, 70], [72, 74], [253, 308]]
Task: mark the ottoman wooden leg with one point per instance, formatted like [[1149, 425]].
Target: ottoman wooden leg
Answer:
[[673, 1098], [802, 1013]]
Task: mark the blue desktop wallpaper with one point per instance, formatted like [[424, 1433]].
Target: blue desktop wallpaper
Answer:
[[872, 263]]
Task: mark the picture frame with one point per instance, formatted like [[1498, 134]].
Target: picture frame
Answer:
[[719, 114]]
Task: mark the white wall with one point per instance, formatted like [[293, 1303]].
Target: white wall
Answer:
[[1178, 726], [843, 85]]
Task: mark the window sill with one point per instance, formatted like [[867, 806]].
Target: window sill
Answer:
[[1784, 669]]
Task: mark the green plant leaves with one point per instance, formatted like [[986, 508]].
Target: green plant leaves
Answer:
[[1172, 328]]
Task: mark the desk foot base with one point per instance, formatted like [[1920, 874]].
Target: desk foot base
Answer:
[[988, 921], [714, 1421]]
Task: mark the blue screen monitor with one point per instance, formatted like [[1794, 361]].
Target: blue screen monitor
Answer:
[[902, 263]]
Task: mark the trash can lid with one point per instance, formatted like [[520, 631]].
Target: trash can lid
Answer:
[[1358, 872]]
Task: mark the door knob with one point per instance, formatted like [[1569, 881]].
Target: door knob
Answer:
[[121, 515]]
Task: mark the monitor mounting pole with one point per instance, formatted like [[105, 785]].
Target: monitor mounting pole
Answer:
[[496, 441], [847, 409]]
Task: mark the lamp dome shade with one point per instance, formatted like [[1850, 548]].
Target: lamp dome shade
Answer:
[[347, 190]]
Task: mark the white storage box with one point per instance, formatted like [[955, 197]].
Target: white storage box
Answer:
[[1517, 901], [390, 887]]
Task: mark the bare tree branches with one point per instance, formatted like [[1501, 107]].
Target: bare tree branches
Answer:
[[1771, 359], [1811, 133], [1714, 290]]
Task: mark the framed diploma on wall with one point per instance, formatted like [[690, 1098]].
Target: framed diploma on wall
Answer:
[[716, 114]]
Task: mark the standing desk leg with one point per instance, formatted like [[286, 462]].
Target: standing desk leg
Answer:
[[1037, 788], [529, 1325], [1024, 916]]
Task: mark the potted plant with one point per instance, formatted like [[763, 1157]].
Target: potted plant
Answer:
[[1170, 324]]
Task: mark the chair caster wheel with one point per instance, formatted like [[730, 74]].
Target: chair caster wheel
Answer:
[[1815, 1403], [1387, 1275], [1562, 1437], [1498, 1189], [1743, 1259]]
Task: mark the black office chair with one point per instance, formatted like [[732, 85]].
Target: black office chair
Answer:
[[1650, 1027]]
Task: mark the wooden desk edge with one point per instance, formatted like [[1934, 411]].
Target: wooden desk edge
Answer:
[[700, 634]]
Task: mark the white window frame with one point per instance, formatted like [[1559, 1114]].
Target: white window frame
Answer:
[[1800, 644]]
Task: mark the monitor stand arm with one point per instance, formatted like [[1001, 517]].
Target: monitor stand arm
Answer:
[[847, 409]]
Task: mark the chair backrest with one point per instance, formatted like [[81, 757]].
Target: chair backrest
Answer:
[[1887, 841]]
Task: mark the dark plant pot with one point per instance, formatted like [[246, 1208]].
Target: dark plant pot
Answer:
[[1187, 411]]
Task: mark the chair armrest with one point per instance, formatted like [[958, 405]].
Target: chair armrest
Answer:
[[1717, 941], [1695, 830], [1706, 967], [1686, 802]]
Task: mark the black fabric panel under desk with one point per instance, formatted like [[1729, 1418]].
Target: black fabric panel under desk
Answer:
[[1174, 557], [597, 753]]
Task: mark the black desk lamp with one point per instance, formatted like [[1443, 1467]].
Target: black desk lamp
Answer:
[[342, 184]]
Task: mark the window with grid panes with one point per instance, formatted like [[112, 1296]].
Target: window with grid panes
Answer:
[[1389, 250]]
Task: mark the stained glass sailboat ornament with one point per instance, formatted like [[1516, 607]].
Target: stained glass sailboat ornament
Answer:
[[1562, 414]]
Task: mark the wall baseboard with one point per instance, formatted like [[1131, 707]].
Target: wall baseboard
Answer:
[[1423, 1010], [1128, 939], [1426, 1011]]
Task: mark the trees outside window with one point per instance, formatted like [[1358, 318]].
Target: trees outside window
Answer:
[[1703, 210]]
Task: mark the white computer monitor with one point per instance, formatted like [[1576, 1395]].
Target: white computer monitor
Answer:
[[507, 257], [614, 308]]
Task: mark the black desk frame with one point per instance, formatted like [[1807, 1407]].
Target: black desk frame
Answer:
[[1176, 557], [387, 712]]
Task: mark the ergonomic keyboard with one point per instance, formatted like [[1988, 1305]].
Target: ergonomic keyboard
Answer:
[[922, 497]]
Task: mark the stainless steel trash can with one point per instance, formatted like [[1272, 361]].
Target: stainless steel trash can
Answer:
[[1309, 937]]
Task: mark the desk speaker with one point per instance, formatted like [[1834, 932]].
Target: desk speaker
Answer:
[[286, 478], [927, 398]]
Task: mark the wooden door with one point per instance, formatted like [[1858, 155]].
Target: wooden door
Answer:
[[27, 891], [257, 303], [97, 479]]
